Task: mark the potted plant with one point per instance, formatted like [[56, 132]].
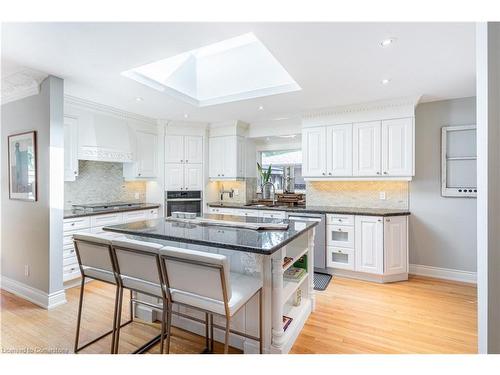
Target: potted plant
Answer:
[[265, 176]]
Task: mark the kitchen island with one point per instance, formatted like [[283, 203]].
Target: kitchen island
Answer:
[[256, 253]]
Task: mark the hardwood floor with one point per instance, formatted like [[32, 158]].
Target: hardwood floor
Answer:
[[422, 315]]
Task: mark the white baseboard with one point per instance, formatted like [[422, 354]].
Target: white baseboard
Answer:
[[36, 296], [443, 273]]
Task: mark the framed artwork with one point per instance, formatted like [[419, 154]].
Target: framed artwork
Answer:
[[23, 166]]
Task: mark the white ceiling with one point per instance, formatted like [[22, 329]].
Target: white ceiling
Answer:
[[334, 63]]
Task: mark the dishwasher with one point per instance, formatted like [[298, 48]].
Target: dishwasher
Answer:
[[319, 237]]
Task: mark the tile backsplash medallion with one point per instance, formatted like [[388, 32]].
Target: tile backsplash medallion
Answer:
[[358, 194], [102, 182]]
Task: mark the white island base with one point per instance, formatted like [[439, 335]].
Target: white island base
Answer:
[[278, 298]]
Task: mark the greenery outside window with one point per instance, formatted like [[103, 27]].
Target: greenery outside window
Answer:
[[279, 159]]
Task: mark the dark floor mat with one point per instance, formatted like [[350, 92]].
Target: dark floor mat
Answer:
[[321, 280]]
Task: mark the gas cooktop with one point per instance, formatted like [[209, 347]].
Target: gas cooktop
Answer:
[[93, 207]]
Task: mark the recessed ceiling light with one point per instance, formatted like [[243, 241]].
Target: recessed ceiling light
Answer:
[[288, 136], [186, 115], [387, 42], [261, 108], [139, 99], [385, 81]]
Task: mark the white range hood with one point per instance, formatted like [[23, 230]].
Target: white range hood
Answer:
[[105, 138]]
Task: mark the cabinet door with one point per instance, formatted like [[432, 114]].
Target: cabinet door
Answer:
[[216, 157], [174, 176], [314, 152], [193, 149], [339, 150], [397, 147], [230, 156], [193, 177], [146, 154], [174, 149], [395, 245], [240, 157], [366, 149], [70, 149], [368, 244]]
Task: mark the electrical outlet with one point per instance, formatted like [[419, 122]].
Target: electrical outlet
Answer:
[[136, 195], [382, 195], [27, 270], [236, 192]]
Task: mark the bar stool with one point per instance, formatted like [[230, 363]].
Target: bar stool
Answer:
[[95, 259], [203, 281], [137, 266]]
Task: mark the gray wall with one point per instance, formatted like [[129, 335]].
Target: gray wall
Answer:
[[31, 232], [442, 230]]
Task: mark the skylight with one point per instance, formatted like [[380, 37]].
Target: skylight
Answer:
[[233, 69]]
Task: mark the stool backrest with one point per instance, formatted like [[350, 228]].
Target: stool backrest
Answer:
[[137, 259], [201, 273], [93, 250]]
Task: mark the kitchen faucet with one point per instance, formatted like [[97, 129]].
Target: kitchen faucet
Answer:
[[274, 190], [222, 192]]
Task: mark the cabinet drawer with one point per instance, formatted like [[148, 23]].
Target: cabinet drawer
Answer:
[[273, 214], [249, 213], [335, 219], [340, 235], [70, 261], [69, 251], [108, 219], [152, 213], [338, 257], [76, 223], [71, 272], [135, 216]]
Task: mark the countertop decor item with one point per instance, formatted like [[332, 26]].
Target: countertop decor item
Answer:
[[266, 184], [23, 166]]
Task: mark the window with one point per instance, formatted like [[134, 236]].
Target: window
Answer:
[[279, 159]]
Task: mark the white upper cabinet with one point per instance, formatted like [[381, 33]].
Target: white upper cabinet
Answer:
[[226, 157], [146, 161], [397, 147], [369, 244], [366, 149], [70, 149], [193, 177], [174, 149], [184, 162], [174, 176], [314, 152], [193, 149], [395, 245], [339, 150], [146, 152]]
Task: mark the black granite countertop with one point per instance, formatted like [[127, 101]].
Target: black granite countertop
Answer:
[[80, 213], [264, 242], [319, 209]]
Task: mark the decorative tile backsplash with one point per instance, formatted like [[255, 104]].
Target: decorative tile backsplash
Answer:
[[246, 190], [358, 194], [102, 182]]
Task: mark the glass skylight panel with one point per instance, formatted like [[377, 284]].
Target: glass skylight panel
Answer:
[[234, 69]]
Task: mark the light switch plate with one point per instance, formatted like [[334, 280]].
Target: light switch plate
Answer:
[[382, 195]]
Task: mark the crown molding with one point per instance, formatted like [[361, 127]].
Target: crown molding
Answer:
[[21, 84], [369, 111], [94, 106]]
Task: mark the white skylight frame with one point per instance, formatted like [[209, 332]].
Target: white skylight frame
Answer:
[[188, 76]]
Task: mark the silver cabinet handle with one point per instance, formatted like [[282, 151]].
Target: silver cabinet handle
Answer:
[[378, 172], [340, 251], [324, 173], [385, 173], [330, 173], [340, 229], [379, 220], [387, 220], [75, 172], [182, 160], [186, 161]]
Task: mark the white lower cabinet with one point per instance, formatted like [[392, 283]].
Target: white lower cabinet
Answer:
[[395, 245], [93, 224], [340, 257], [369, 244]]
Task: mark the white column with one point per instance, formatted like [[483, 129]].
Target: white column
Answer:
[[488, 178], [277, 302]]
